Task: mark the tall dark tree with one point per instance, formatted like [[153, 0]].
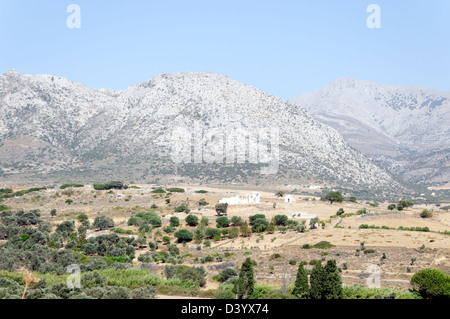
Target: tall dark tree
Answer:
[[334, 197], [280, 194], [301, 287], [246, 281], [317, 279], [332, 284], [221, 209]]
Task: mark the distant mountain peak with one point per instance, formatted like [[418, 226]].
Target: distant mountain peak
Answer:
[[90, 134], [387, 120]]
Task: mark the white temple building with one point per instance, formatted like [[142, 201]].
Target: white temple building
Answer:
[[249, 199]]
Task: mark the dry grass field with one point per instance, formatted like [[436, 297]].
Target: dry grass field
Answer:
[[399, 246]]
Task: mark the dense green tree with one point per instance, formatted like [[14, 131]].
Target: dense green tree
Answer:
[[183, 235], [316, 281], [260, 225], [82, 217], [103, 222], [192, 220], [243, 289], [66, 226], [222, 222], [227, 273], [313, 222], [334, 197], [280, 194], [271, 228], [212, 232], [236, 221], [252, 219], [301, 286], [174, 221], [221, 209], [426, 213], [280, 220], [406, 203], [432, 284], [244, 230], [204, 221], [332, 284]]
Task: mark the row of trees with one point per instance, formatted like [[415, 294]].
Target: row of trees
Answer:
[[324, 283]]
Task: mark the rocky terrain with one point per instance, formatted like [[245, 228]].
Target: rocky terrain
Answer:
[[56, 130], [405, 129]]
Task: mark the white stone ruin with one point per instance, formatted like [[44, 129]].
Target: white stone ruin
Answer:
[[249, 199], [289, 199]]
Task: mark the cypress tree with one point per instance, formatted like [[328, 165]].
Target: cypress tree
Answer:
[[301, 287], [332, 284], [246, 281], [317, 280]]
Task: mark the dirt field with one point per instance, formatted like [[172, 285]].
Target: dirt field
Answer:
[[399, 246]]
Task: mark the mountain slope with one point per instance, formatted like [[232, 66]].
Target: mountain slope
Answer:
[[405, 129], [57, 130]]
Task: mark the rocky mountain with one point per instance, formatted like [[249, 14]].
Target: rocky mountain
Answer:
[[168, 129], [405, 129]]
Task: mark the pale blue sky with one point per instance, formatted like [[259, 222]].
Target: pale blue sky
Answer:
[[282, 47]]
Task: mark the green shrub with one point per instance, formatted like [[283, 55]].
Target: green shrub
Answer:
[[426, 213], [323, 245], [103, 222], [222, 222], [236, 221], [211, 232], [110, 185], [203, 202], [182, 208], [169, 229], [260, 225], [183, 235], [431, 284], [174, 221], [175, 190], [71, 185], [280, 220], [192, 220], [254, 218]]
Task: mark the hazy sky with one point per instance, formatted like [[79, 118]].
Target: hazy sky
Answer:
[[282, 47]]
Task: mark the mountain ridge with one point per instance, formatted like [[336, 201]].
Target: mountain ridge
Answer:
[[388, 123], [55, 129]]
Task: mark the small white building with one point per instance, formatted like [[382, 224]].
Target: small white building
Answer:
[[289, 199], [249, 199]]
